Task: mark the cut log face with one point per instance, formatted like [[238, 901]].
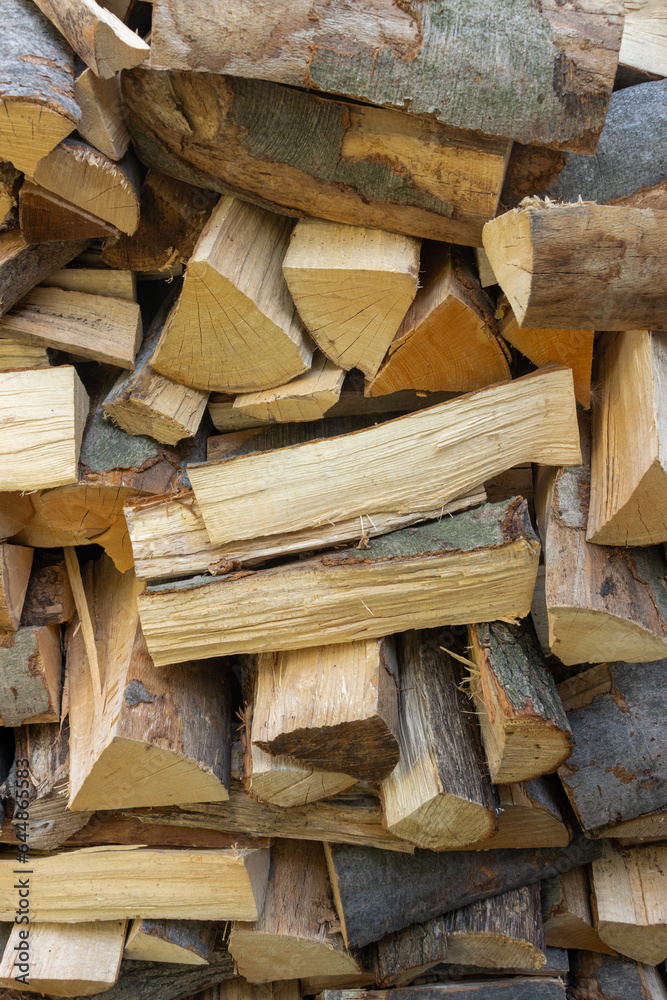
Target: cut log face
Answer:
[[523, 725], [248, 334], [566, 908], [539, 249], [38, 104], [529, 816], [15, 564], [360, 593], [287, 782], [296, 935], [630, 901], [503, 932], [375, 167], [629, 442], [30, 668], [599, 976], [448, 339], [352, 287], [23, 266], [187, 942], [307, 397], [616, 772], [334, 707], [436, 796], [533, 419], [44, 216], [644, 41], [101, 122]]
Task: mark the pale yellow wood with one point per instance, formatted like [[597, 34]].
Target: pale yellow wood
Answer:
[[630, 901], [307, 397], [65, 960], [15, 563], [629, 442], [99, 327], [95, 281], [286, 782], [181, 942], [15, 354], [30, 671], [113, 883], [101, 122], [15, 511], [235, 327], [29, 133], [42, 413], [486, 274], [87, 630], [653, 827], [644, 41], [153, 404], [500, 932], [441, 452], [568, 920], [352, 287]]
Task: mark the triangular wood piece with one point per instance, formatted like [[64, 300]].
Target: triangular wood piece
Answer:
[[44, 216]]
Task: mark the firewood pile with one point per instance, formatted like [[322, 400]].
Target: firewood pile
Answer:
[[333, 499]]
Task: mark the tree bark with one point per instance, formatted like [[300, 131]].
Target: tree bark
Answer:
[[187, 942], [600, 977], [501, 932], [23, 266]]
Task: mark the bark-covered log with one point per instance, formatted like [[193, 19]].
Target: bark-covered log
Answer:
[[501, 932], [595, 976], [30, 669], [566, 910], [187, 942], [22, 265], [502, 989], [407, 954]]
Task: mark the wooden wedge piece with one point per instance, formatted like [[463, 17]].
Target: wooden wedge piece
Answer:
[[101, 122], [296, 935], [352, 287], [630, 902], [629, 442], [566, 908], [38, 104], [44, 216], [94, 281], [14, 354], [41, 440], [97, 35], [91, 181], [406, 955], [523, 726], [337, 160], [15, 563], [502, 932], [448, 339], [22, 266], [187, 942], [436, 796], [538, 249], [307, 397], [334, 707], [30, 669], [644, 41], [48, 599], [10, 184], [600, 975], [360, 593], [234, 298], [15, 511], [99, 327], [532, 419], [63, 960]]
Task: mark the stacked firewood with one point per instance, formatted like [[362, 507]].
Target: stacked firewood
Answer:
[[333, 499]]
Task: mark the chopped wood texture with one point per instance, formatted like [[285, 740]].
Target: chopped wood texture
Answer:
[[616, 772], [307, 397], [539, 249], [96, 35], [91, 181], [476, 564], [566, 909], [23, 266], [187, 885], [37, 85], [10, 184], [41, 440], [44, 216], [629, 442], [524, 729], [15, 564], [486, 275], [15, 511], [99, 327], [14, 355], [64, 960], [405, 955], [334, 707], [630, 901], [394, 52], [448, 339], [94, 281], [235, 327], [30, 668], [101, 122], [48, 599], [601, 977], [437, 795], [502, 932], [188, 942], [530, 419], [529, 816], [297, 934], [528, 988], [644, 41], [375, 167], [352, 287]]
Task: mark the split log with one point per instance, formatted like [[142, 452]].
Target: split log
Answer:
[[629, 442], [352, 286], [187, 942], [96, 35], [486, 275], [38, 103], [101, 122], [601, 977], [287, 782], [188, 885], [94, 281], [235, 327], [91, 181], [44, 216], [523, 726], [533, 988], [63, 959], [10, 184], [478, 564], [14, 355], [43, 413], [448, 339], [48, 599], [602, 603], [644, 41], [395, 49], [30, 668], [557, 965], [616, 772], [15, 511], [124, 827], [99, 327], [307, 397], [437, 796], [540, 249], [377, 168], [378, 892], [23, 266], [501, 932], [297, 935], [530, 419], [333, 707], [173, 215], [529, 815], [156, 740], [630, 902], [406, 955], [566, 909], [15, 564]]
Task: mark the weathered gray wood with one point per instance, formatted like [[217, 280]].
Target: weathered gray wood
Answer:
[[22, 265], [30, 668], [541, 988], [556, 965], [187, 942], [503, 931], [404, 955], [601, 977]]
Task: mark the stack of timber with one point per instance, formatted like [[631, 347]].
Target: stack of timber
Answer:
[[333, 499]]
